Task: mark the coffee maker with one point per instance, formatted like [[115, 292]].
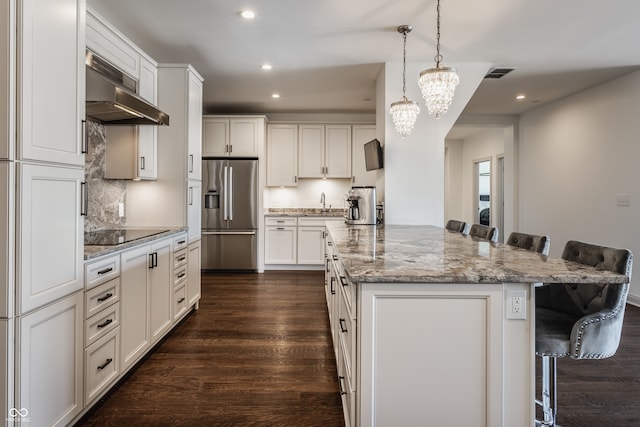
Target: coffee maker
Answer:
[[361, 201]]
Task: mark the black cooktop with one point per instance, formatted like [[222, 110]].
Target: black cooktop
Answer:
[[118, 236]]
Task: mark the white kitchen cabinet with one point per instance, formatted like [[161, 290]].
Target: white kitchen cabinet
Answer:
[[239, 136], [160, 288], [361, 135], [50, 378], [280, 240], [7, 236], [51, 85], [134, 305], [282, 155], [194, 273], [324, 151], [102, 364], [7, 369], [194, 126], [194, 210], [311, 245], [147, 165], [50, 233], [7, 80]]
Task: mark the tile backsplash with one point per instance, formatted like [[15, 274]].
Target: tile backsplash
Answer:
[[104, 194]]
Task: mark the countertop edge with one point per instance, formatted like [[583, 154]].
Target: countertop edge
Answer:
[[93, 251]]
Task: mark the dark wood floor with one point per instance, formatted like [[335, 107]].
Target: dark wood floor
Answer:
[[258, 353]]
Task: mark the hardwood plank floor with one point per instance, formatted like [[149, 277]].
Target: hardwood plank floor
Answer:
[[259, 353]]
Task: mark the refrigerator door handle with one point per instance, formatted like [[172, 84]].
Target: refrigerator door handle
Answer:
[[229, 233], [230, 193], [226, 192]]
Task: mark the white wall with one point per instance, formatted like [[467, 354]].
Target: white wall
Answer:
[[575, 156], [307, 194]]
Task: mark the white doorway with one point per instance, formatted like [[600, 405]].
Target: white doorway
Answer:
[[482, 193]]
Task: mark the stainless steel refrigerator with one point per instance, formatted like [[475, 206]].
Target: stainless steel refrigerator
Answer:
[[230, 214]]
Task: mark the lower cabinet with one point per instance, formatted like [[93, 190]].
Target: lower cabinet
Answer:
[[160, 287], [50, 380], [194, 262], [102, 364]]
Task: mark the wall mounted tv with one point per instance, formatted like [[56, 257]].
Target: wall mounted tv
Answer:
[[373, 155]]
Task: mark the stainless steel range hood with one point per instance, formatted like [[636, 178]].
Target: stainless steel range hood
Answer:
[[111, 98]]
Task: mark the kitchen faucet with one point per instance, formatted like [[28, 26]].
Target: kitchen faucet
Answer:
[[324, 209]]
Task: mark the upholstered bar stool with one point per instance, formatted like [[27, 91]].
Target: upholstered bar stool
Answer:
[[530, 242], [484, 232], [579, 321], [459, 226]]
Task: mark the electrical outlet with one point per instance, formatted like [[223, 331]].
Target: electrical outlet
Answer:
[[516, 304], [120, 210], [623, 200]]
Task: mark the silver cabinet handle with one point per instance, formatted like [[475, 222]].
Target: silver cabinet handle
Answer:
[[85, 137], [84, 199]]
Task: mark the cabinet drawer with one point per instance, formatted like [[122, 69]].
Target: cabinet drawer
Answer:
[[102, 364], [348, 289], [103, 296], [101, 271], [347, 395], [179, 301], [346, 329], [179, 275], [317, 221], [180, 258], [281, 221], [180, 242], [102, 323]]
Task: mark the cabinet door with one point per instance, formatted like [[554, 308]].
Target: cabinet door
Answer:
[[193, 273], [7, 237], [311, 151], [194, 209], [50, 376], [161, 288], [194, 128], [134, 305], [311, 245], [244, 136], [280, 245], [7, 81], [338, 151], [361, 135], [51, 234], [282, 155], [215, 137], [51, 91], [148, 135]]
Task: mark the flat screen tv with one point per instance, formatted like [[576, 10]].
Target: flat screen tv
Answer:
[[373, 155]]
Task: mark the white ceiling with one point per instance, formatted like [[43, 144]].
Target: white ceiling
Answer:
[[326, 54]]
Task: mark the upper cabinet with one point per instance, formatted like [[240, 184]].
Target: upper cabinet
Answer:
[[51, 85], [147, 165], [282, 155], [111, 45], [361, 135], [7, 81], [194, 125], [324, 151], [239, 136]]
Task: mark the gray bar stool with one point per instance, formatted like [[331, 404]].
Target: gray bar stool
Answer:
[[580, 321], [484, 232], [459, 226], [530, 242]]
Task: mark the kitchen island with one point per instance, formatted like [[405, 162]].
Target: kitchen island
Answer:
[[426, 329]]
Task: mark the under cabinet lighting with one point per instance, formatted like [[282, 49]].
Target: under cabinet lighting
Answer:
[[266, 67], [247, 14], [275, 95], [520, 97]]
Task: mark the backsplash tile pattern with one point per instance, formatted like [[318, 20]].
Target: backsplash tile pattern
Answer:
[[104, 194]]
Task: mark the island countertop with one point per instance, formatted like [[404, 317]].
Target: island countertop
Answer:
[[430, 254]]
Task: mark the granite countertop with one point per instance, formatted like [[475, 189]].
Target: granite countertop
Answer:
[[304, 212], [95, 251], [429, 254]]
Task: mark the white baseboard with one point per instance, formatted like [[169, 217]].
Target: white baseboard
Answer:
[[633, 300]]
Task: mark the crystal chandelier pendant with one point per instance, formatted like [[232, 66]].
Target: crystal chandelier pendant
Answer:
[[404, 114], [438, 86]]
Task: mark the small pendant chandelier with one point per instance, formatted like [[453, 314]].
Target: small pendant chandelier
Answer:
[[404, 112], [438, 84]]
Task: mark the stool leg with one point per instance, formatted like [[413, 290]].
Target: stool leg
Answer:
[[549, 396]]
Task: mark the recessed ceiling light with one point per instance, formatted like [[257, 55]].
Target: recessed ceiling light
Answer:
[[520, 97], [247, 14], [266, 67], [275, 95]]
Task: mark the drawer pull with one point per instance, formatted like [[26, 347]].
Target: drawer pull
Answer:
[[327, 266], [104, 298], [280, 228], [106, 270], [342, 390], [182, 242], [105, 364], [335, 257], [333, 289], [343, 329], [105, 323], [280, 222], [181, 275], [181, 300], [182, 258], [343, 281]]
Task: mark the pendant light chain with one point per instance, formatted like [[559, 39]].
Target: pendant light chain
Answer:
[[438, 57], [404, 64], [404, 112]]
